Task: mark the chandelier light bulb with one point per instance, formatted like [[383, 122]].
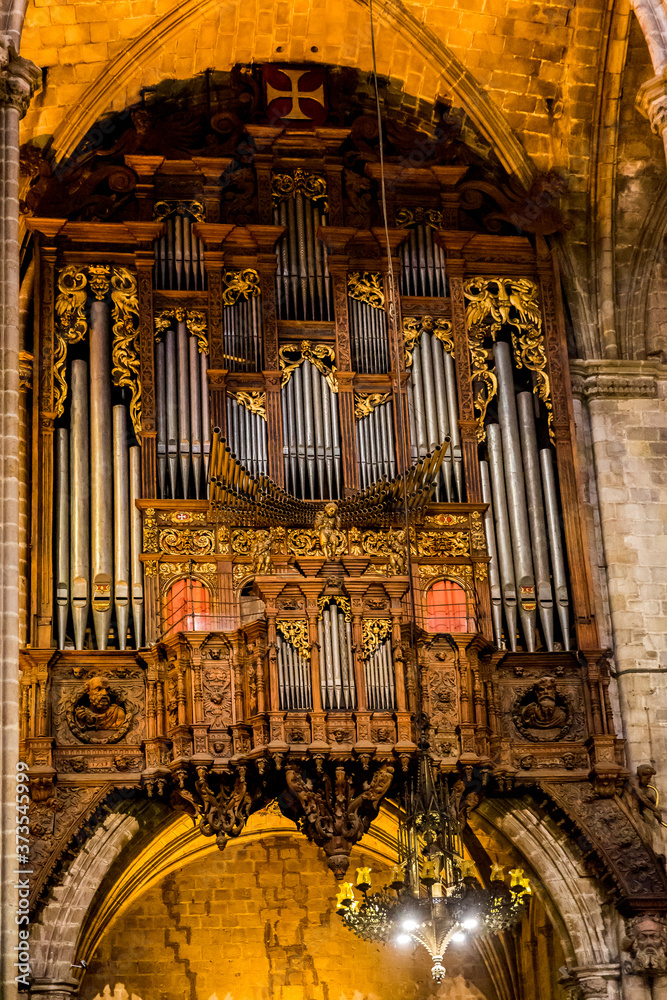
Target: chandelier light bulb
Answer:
[[403, 939], [470, 923], [409, 924], [459, 937]]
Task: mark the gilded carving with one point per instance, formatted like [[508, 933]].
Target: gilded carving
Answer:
[[186, 541], [331, 538], [295, 631], [477, 536], [162, 209], [446, 520], [125, 344], [413, 327], [255, 402], [322, 356], [150, 530], [374, 631], [98, 277], [366, 402], [195, 322], [312, 186], [217, 695], [240, 284], [511, 302], [342, 602], [366, 287], [71, 326], [445, 543]]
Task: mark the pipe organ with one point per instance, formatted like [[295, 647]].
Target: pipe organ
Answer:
[[298, 478]]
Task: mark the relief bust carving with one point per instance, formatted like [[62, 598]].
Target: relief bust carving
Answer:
[[99, 714], [542, 713]]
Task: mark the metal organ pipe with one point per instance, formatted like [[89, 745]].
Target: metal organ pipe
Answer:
[[100, 470], [195, 413], [80, 501], [121, 534], [62, 514], [171, 401], [136, 569], [303, 287], [516, 495], [311, 445], [183, 405], [538, 533], [505, 560], [494, 572], [375, 445], [161, 418], [555, 544]]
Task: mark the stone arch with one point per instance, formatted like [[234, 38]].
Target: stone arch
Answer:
[[151, 57], [647, 254]]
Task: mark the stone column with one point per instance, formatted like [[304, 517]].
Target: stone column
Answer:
[[54, 989], [591, 982], [19, 79], [621, 415], [651, 101]]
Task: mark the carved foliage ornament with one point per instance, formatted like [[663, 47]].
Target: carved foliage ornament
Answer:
[[72, 326], [186, 541], [195, 321], [320, 355], [295, 631], [406, 217], [493, 303], [366, 402], [311, 186], [374, 631], [163, 209], [366, 287], [255, 402], [240, 284], [412, 331], [342, 602]]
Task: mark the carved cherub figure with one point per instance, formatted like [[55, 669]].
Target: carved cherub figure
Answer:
[[327, 522], [397, 552], [260, 552]]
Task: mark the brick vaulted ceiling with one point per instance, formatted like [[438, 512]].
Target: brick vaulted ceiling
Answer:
[[550, 85]]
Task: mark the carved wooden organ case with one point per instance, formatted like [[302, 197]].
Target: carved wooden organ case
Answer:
[[240, 403]]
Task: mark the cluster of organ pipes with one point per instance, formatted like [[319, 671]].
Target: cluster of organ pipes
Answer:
[[423, 264], [179, 254], [375, 443], [303, 283], [294, 685], [368, 335], [433, 410], [311, 439], [97, 525], [247, 433], [243, 349], [379, 679], [334, 635], [182, 411], [527, 572]]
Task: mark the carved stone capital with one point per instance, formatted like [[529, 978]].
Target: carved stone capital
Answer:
[[651, 101], [601, 379], [53, 989], [589, 982], [20, 78]]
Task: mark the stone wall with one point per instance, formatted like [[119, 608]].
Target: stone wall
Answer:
[[257, 923]]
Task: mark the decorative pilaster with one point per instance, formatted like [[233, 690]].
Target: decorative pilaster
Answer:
[[19, 80]]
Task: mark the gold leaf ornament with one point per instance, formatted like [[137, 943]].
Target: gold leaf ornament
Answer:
[[240, 284], [366, 402], [295, 631], [71, 326], [374, 631], [322, 356], [125, 345], [366, 286]]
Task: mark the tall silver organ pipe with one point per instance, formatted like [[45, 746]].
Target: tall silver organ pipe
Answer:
[[294, 686], [556, 544], [183, 432], [179, 255], [423, 264], [379, 679], [337, 686], [516, 493], [538, 532], [61, 524], [247, 436], [303, 283], [121, 524], [375, 445], [311, 441], [505, 558], [368, 337], [80, 501], [136, 568], [242, 338], [433, 410], [494, 571], [101, 493]]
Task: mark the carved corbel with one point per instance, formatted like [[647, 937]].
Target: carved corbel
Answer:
[[335, 811]]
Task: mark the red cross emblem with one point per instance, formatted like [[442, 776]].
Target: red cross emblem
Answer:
[[295, 96]]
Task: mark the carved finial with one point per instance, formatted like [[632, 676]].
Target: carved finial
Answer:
[[651, 101], [20, 78]]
